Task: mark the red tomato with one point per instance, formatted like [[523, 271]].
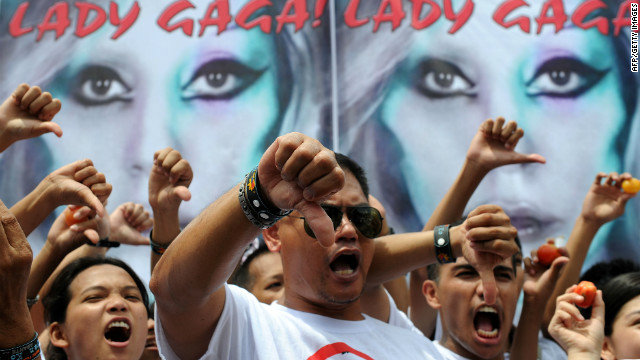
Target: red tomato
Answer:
[[69, 219], [588, 290], [631, 186], [547, 253]]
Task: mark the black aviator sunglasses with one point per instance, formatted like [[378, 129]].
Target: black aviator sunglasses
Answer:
[[366, 219]]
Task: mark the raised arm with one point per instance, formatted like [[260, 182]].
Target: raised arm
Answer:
[[539, 282], [604, 202], [493, 146], [15, 261], [78, 183], [169, 183], [27, 113], [294, 173]]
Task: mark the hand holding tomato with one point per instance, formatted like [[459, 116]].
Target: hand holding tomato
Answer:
[[587, 290]]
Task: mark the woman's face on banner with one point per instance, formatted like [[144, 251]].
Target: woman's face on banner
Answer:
[[563, 89], [214, 98]]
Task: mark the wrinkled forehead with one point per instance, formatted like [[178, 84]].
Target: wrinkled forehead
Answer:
[[350, 195], [104, 276]]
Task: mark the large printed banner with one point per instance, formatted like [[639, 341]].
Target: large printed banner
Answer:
[[400, 85]]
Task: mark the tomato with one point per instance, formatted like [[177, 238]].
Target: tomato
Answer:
[[588, 290], [631, 186], [547, 253], [69, 219]]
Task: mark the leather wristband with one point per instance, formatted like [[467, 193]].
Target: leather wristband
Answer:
[[442, 244], [259, 211], [27, 351]]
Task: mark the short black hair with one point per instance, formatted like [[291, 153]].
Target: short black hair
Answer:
[[600, 273], [57, 300], [348, 164], [616, 293]]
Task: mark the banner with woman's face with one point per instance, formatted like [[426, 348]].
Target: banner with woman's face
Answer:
[[216, 80], [400, 85], [561, 69]]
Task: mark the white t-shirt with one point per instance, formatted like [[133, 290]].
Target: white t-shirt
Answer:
[[398, 318], [547, 350], [248, 329]]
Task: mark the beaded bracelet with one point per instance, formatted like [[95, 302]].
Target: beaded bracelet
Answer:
[[27, 351], [31, 302], [259, 211], [155, 247], [103, 243]]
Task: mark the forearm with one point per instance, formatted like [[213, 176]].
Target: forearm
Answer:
[[395, 255], [34, 208], [525, 341], [204, 254], [17, 327], [166, 227], [43, 266], [451, 207], [577, 246]]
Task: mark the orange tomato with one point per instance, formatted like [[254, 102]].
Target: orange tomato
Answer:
[[588, 290], [631, 186], [69, 219], [547, 253]]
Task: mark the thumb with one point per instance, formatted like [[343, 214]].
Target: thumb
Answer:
[[89, 199], [92, 235], [50, 126], [556, 267], [182, 192], [520, 158], [597, 309], [318, 221], [490, 290]]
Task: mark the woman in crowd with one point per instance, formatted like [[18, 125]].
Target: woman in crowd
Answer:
[[96, 307]]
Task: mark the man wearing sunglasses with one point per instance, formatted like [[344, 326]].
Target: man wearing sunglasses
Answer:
[[327, 250]]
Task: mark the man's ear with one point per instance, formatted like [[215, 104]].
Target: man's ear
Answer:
[[607, 352], [272, 238], [430, 292], [57, 336]]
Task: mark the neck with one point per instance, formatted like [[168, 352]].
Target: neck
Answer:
[[342, 311]]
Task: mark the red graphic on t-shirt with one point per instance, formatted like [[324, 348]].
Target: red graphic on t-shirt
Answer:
[[335, 349]]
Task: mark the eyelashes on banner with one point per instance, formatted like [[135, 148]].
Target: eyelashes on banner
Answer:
[[563, 77], [441, 79], [100, 85], [220, 79]]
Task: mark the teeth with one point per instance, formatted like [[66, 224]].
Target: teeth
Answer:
[[121, 324], [488, 334], [344, 272], [487, 309]]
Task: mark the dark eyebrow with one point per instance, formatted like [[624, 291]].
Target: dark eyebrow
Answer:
[[96, 288], [463, 267], [102, 288], [631, 314], [504, 268]]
